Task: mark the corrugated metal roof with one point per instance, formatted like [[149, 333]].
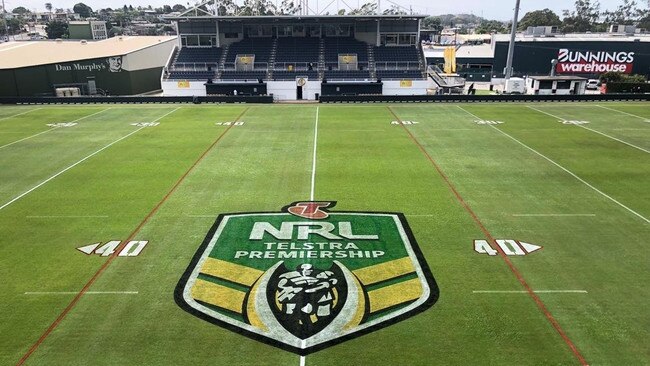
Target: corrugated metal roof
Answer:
[[33, 53]]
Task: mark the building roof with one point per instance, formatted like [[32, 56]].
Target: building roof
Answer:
[[575, 37], [559, 78], [33, 53]]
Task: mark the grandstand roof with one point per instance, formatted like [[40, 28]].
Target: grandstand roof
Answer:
[[33, 53]]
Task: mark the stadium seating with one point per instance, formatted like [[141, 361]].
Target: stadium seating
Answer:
[[260, 47], [344, 45], [191, 75], [298, 50], [347, 74], [399, 74], [199, 55], [243, 75], [396, 54]]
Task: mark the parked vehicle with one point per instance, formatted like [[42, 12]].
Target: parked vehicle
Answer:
[[592, 84]]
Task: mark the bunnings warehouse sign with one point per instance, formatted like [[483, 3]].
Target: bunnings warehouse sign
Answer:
[[594, 62]]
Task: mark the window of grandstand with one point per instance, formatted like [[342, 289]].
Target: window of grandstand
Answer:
[[337, 30], [202, 40]]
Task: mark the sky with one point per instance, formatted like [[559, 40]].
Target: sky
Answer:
[[494, 9]]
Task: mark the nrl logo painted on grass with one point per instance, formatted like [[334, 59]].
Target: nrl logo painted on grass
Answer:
[[306, 278]]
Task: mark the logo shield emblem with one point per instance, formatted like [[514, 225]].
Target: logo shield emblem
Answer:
[[306, 278]]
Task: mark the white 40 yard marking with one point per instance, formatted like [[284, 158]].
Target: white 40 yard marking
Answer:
[[574, 122], [132, 248], [63, 124], [404, 123], [507, 246], [482, 122], [238, 123]]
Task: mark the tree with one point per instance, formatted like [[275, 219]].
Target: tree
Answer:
[[432, 23], [20, 10], [48, 7], [56, 29], [394, 10], [83, 10], [492, 26], [167, 9], [538, 18], [583, 19], [627, 13], [288, 7], [179, 7], [365, 9]]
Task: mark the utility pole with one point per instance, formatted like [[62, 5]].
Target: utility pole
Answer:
[[511, 46]]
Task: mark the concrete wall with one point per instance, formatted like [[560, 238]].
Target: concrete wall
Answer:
[[150, 57], [393, 87], [171, 88], [286, 90]]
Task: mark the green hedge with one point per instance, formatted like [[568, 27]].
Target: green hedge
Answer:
[[628, 88]]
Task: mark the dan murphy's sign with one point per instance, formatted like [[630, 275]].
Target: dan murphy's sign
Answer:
[[594, 62]]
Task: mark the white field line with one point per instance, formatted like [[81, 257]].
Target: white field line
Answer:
[[553, 215], [567, 171], [28, 137], [629, 114], [303, 359], [166, 114], [313, 163], [53, 128], [535, 291], [592, 130], [68, 168], [20, 114], [87, 293]]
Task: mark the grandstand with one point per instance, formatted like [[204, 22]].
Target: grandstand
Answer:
[[294, 56]]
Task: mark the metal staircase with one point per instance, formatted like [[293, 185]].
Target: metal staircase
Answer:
[[321, 59], [271, 66], [372, 68]]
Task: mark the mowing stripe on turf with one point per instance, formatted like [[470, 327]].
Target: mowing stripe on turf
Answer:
[[29, 137], [553, 215], [19, 114], [566, 170], [68, 168], [592, 130], [490, 237], [629, 114], [67, 217], [87, 293], [535, 291], [50, 129], [110, 259]]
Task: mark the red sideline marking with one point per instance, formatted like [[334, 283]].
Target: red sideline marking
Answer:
[[512, 267], [118, 249]]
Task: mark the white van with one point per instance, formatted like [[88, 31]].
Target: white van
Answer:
[[592, 84]]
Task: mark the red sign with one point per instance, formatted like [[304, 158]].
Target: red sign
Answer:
[[592, 62]]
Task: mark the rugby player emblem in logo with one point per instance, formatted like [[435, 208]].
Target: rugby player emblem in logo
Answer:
[[307, 277]]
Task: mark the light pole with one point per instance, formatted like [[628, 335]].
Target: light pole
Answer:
[[511, 46]]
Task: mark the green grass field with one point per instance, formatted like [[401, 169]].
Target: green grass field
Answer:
[[581, 191]]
